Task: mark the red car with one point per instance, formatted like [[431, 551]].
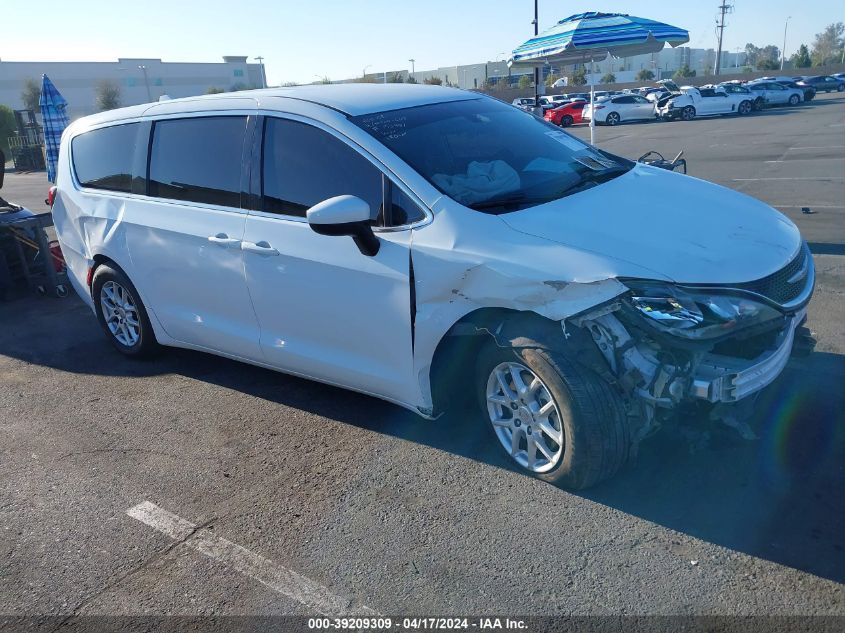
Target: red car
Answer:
[[566, 115]]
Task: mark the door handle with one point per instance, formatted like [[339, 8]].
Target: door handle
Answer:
[[221, 239], [259, 248]]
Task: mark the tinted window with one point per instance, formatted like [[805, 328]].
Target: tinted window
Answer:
[[304, 165], [624, 100], [578, 106], [103, 158], [403, 209], [198, 159]]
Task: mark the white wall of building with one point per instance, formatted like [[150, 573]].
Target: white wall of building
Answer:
[[77, 81]]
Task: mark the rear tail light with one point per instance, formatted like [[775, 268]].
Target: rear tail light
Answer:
[[598, 107], [51, 196]]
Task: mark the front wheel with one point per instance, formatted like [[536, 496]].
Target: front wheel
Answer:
[[121, 313], [555, 419], [688, 113], [745, 108], [566, 121], [612, 119], [794, 100]]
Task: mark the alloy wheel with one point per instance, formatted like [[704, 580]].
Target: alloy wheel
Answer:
[[612, 118], [525, 417], [120, 313]]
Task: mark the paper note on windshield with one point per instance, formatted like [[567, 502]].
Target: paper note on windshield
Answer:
[[564, 139]]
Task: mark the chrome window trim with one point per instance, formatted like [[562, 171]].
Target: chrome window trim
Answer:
[[384, 169]]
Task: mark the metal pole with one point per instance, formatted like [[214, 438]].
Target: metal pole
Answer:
[[536, 68], [592, 105], [146, 83], [260, 60], [413, 68], [720, 26], [783, 50]]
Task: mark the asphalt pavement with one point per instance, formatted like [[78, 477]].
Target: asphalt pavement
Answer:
[[195, 485]]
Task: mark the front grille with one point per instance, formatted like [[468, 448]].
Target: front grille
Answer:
[[776, 286]]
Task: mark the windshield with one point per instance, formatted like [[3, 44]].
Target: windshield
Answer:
[[490, 156]]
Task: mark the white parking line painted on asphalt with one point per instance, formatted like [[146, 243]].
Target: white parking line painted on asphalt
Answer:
[[819, 147], [791, 178], [270, 574]]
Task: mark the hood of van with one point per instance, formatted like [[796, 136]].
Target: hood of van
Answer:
[[682, 228]]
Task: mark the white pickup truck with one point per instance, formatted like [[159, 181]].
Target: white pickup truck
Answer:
[[688, 102]]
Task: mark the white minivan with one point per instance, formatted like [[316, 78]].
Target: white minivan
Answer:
[[424, 244]]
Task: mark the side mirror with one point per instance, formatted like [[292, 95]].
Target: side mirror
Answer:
[[345, 215]]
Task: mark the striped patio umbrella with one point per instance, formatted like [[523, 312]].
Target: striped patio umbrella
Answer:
[[54, 115], [591, 37]]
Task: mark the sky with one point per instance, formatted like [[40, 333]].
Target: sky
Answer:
[[301, 41]]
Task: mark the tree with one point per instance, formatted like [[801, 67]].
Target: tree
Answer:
[[524, 82], [289, 84], [645, 75], [411, 79], [214, 90], [768, 58], [751, 54], [609, 78], [828, 45], [7, 128], [433, 81], [395, 78], [683, 72], [107, 95], [579, 77], [31, 94], [551, 79], [767, 64], [801, 59]]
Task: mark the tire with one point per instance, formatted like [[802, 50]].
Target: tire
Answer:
[[840, 88], [566, 121], [688, 113], [794, 100], [589, 413], [612, 119], [745, 108], [131, 335]]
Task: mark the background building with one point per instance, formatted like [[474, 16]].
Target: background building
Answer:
[[662, 64], [138, 80]]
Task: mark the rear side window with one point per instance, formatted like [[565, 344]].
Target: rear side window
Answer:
[[198, 160], [304, 165], [103, 158]]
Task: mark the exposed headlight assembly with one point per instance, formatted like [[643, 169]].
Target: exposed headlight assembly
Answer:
[[696, 315]]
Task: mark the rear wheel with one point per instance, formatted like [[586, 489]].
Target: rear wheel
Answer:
[[794, 100], [840, 88], [613, 119], [566, 121], [688, 113], [745, 107], [121, 313], [554, 418]]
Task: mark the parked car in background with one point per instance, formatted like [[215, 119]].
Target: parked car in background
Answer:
[[774, 93], [567, 114], [559, 99], [839, 76], [808, 91], [688, 102], [477, 255], [734, 87], [615, 110], [579, 95], [824, 83], [524, 103]]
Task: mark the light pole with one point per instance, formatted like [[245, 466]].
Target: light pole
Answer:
[[413, 68], [364, 72], [783, 50], [146, 83], [536, 24], [260, 61]]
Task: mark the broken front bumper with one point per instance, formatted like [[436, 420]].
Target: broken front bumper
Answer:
[[726, 379]]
